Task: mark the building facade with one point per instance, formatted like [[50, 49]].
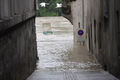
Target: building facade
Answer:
[[100, 20]]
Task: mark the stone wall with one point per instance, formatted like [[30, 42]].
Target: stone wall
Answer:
[[103, 33], [18, 52], [100, 21]]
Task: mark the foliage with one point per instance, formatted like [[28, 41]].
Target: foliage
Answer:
[[50, 10]]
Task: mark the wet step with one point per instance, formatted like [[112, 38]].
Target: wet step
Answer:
[[71, 75]]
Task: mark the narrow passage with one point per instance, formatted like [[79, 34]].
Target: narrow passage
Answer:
[[60, 58]]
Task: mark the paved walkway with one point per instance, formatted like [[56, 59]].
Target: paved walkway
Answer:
[[61, 59], [79, 75]]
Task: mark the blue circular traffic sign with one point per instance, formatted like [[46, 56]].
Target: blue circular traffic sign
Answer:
[[80, 32]]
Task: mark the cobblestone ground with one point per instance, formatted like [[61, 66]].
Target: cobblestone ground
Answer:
[[60, 58]]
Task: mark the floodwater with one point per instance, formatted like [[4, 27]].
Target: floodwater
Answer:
[[55, 51], [59, 57]]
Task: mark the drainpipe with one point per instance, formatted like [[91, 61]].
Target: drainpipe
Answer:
[[83, 43], [83, 13]]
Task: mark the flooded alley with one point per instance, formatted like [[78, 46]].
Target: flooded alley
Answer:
[[59, 40], [60, 58]]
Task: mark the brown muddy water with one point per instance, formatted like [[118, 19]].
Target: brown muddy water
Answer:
[[60, 58], [57, 51]]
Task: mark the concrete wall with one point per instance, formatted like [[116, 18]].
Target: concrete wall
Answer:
[[18, 52], [76, 16], [103, 30], [78, 19], [100, 21]]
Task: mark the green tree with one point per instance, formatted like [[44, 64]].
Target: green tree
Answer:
[[50, 10]]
